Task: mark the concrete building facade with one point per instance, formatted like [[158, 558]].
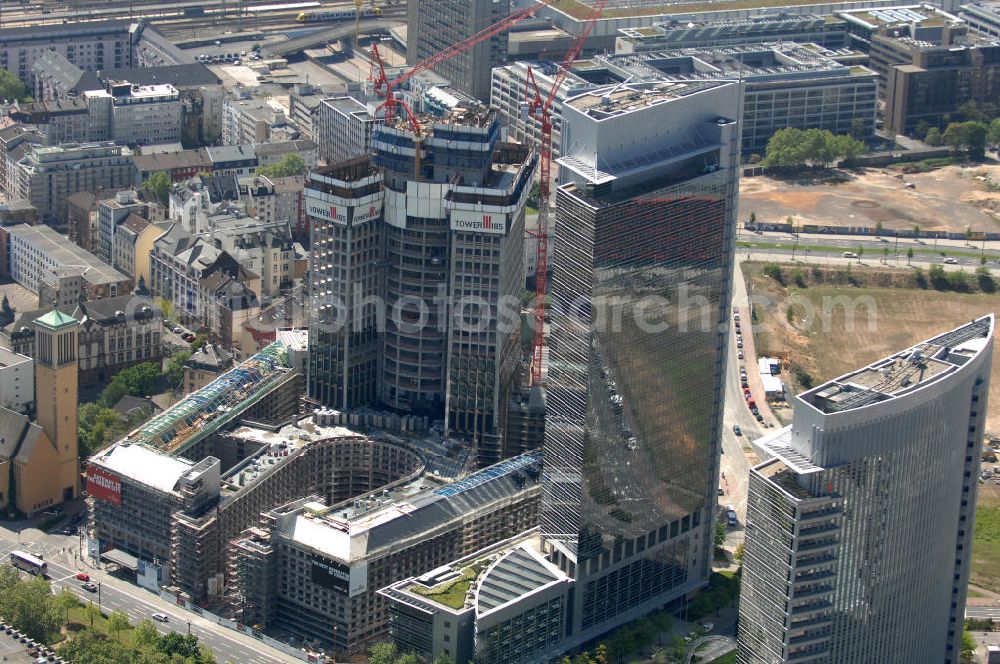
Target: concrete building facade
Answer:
[[448, 227], [434, 25], [879, 461], [47, 176]]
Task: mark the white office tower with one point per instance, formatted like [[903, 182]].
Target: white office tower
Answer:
[[859, 528]]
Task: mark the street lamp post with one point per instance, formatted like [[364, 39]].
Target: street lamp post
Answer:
[[98, 595], [189, 627]]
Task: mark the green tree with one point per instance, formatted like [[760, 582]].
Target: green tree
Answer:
[[175, 367], [720, 534], [139, 381], [970, 137], [145, 634], [159, 184], [382, 653], [409, 658], [28, 606], [968, 652], [11, 87], [858, 128], [885, 254], [936, 274], [909, 255], [860, 252], [994, 131], [916, 231], [117, 623], [98, 427], [878, 228], [64, 601], [92, 613], [443, 659], [291, 164], [933, 137], [199, 341], [740, 551], [753, 218]]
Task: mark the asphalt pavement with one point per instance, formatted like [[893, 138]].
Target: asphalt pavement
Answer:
[[61, 554]]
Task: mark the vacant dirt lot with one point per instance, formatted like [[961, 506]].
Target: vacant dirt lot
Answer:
[[948, 199], [827, 348]]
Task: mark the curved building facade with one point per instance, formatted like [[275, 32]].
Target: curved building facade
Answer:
[[859, 529]]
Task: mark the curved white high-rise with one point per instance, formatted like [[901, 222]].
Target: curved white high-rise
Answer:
[[859, 529]]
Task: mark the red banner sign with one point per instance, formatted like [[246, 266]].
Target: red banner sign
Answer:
[[103, 485]]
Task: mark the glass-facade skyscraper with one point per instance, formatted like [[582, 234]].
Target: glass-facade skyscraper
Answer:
[[642, 258]]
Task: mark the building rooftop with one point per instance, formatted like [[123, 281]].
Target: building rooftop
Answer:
[[205, 410], [904, 372], [354, 529], [72, 258], [922, 15], [145, 465], [179, 76], [486, 580], [9, 358]]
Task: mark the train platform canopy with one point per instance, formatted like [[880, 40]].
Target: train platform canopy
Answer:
[[121, 558]]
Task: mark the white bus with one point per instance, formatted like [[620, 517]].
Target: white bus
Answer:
[[29, 563]]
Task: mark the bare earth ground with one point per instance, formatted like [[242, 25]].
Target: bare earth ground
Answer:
[[947, 199], [901, 316]]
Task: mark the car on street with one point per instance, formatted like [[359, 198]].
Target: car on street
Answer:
[[720, 491], [850, 254], [739, 344], [739, 354], [950, 261], [90, 587], [737, 430], [161, 617], [82, 576]]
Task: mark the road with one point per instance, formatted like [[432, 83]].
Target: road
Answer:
[[806, 249], [138, 603], [983, 612]]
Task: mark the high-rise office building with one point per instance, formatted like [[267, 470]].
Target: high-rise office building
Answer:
[[643, 255], [859, 528], [417, 272], [434, 25]]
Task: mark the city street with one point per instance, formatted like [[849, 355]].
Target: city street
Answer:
[[138, 603]]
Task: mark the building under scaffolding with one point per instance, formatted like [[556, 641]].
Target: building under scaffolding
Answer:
[[226, 398]]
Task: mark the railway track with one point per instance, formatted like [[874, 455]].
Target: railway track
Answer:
[[167, 15], [186, 26]]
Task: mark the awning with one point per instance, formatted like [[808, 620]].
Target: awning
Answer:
[[121, 558]]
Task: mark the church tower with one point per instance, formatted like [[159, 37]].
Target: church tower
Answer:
[[56, 397]]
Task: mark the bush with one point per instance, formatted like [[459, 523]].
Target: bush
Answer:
[[919, 278], [987, 283], [804, 377], [937, 276], [958, 280], [799, 278], [773, 271]]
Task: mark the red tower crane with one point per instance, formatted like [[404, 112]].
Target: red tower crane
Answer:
[[541, 110], [387, 88]]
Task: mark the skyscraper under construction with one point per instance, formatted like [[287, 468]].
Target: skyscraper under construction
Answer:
[[417, 274]]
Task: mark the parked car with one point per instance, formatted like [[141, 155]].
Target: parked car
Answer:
[[161, 617], [739, 344], [739, 354], [82, 576], [737, 430]]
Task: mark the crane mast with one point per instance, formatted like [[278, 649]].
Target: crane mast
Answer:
[[541, 110]]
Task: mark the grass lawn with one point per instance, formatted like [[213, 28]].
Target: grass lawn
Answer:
[[79, 620], [728, 658], [452, 593], [986, 540]]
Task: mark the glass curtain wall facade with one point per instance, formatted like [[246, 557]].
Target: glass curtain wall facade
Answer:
[[642, 275], [859, 528]]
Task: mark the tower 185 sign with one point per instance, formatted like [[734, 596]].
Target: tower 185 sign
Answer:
[[478, 222]]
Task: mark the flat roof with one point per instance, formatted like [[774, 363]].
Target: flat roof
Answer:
[[69, 256], [903, 372], [145, 465]]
